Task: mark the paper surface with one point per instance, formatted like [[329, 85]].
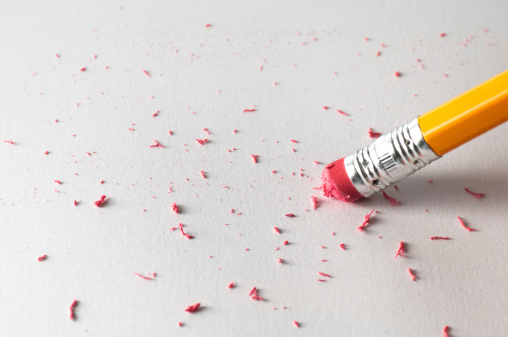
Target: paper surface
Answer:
[[287, 60]]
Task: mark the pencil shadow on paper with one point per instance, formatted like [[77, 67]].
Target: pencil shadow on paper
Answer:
[[444, 189]]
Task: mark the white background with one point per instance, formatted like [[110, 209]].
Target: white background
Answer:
[[204, 78]]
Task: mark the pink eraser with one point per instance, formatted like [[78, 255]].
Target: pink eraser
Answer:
[[337, 184]]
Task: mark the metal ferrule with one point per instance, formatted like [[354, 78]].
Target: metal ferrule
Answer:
[[390, 158]]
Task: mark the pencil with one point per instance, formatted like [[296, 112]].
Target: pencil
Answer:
[[410, 147]]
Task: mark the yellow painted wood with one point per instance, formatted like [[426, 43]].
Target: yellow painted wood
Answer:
[[466, 116]]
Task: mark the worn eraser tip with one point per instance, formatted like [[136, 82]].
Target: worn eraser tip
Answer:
[[337, 184]]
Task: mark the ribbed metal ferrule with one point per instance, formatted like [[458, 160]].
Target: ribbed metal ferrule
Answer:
[[390, 158]]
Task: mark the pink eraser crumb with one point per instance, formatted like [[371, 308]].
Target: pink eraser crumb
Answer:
[[206, 130], [157, 144], [324, 275], [82, 69], [280, 261], [296, 324], [75, 203], [373, 134], [478, 195], [253, 291], [337, 184], [42, 258], [143, 277], [254, 158], [193, 308], [57, 55], [202, 141], [293, 141], [397, 74], [58, 182], [180, 225], [465, 226], [442, 34], [102, 182], [401, 250], [174, 207], [276, 230], [445, 331], [249, 110], [314, 201], [202, 174], [285, 243], [208, 25], [342, 112], [342, 246], [378, 53], [9, 141], [326, 108], [365, 221], [439, 238], [155, 114], [101, 201], [73, 306], [170, 132], [231, 285], [47, 152], [180, 324], [413, 277], [393, 201], [290, 215], [146, 73]]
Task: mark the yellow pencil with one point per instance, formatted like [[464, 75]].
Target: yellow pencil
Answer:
[[401, 152]]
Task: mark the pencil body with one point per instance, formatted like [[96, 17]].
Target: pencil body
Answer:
[[412, 146], [466, 116]]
